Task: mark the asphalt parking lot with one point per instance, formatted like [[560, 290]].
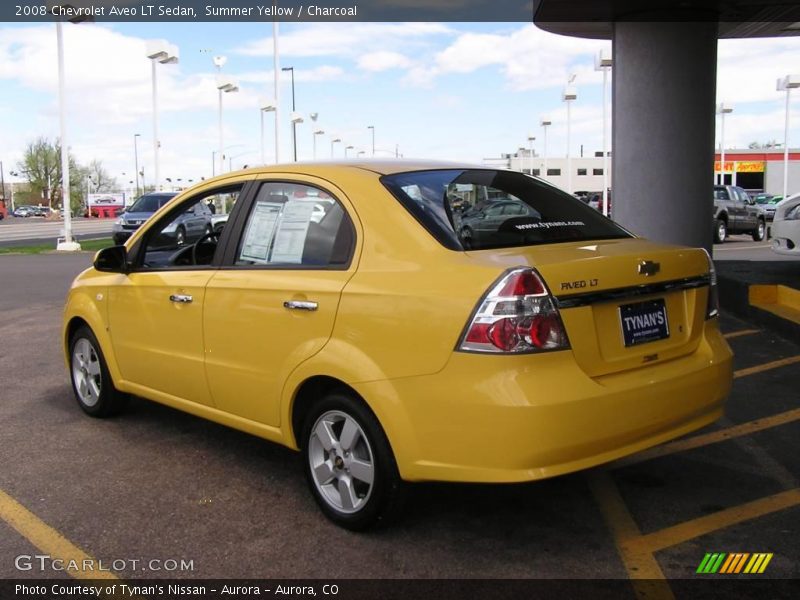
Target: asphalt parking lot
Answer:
[[156, 484]]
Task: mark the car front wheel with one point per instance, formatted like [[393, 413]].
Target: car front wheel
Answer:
[[91, 382], [720, 231], [349, 464], [759, 231]]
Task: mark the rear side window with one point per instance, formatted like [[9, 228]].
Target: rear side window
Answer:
[[292, 224], [478, 209]]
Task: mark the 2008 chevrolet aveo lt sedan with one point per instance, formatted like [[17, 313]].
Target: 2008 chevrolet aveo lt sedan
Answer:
[[403, 322]]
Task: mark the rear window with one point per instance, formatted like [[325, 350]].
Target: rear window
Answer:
[[477, 209]]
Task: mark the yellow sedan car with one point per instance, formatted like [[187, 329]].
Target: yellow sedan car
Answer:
[[400, 321]]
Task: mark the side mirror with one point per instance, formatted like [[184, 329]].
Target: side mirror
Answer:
[[112, 260]]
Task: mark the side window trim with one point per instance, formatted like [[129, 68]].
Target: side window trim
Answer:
[[138, 250], [229, 255]]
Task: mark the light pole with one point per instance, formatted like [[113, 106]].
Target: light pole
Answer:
[[722, 110], [136, 137], [159, 51], [787, 83], [603, 62], [294, 123], [569, 95], [315, 134], [65, 199], [545, 122], [346, 148], [276, 76], [266, 106], [372, 128], [334, 141], [531, 139], [295, 119], [225, 85]]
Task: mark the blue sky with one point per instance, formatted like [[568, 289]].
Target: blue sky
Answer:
[[445, 91]]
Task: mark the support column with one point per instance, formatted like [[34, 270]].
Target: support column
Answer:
[[664, 90]]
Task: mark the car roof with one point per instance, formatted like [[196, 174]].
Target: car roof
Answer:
[[380, 166]]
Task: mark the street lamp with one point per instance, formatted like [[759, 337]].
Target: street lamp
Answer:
[[603, 62], [225, 85], [295, 119], [787, 83], [531, 139], [346, 148], [334, 141], [545, 122], [722, 110], [159, 51], [372, 127], [294, 123], [569, 95], [136, 137], [69, 244], [315, 134], [360, 152], [266, 106]]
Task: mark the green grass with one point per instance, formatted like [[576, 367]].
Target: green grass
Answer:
[[86, 245]]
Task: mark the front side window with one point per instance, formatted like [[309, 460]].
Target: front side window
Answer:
[[292, 224], [188, 236], [484, 209]]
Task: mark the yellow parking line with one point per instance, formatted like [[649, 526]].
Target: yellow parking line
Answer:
[[766, 366], [47, 539], [713, 437], [646, 576], [735, 334], [682, 532]]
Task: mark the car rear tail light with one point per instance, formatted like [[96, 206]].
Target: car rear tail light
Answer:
[[712, 306], [517, 315]]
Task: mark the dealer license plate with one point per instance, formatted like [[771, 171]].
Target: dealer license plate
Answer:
[[644, 322]]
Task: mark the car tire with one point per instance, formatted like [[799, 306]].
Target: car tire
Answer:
[[760, 231], [720, 231], [91, 382], [180, 236], [349, 464]]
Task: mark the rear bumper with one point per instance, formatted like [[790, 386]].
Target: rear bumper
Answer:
[[521, 418]]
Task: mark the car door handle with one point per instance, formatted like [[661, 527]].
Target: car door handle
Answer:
[[300, 305], [181, 298]]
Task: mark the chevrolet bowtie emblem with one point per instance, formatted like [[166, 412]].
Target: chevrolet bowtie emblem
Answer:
[[648, 268]]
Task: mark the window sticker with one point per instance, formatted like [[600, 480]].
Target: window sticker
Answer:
[[260, 230], [292, 231]]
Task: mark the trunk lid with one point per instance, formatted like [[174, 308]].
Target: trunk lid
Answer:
[[608, 287]]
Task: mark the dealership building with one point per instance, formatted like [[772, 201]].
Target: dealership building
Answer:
[[755, 170]]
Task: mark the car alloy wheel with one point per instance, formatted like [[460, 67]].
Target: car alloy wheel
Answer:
[[349, 463], [341, 461], [721, 232], [760, 231], [91, 382], [86, 374]]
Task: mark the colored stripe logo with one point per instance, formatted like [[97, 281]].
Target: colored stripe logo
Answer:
[[734, 563]]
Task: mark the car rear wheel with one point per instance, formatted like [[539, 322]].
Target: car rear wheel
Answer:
[[759, 231], [91, 382], [349, 464], [720, 231]]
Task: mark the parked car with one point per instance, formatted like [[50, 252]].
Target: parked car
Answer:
[[736, 212], [768, 203], [138, 212], [41, 211], [786, 227], [24, 211], [387, 346]]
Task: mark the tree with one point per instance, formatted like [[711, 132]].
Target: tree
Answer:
[[41, 165], [101, 180]]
